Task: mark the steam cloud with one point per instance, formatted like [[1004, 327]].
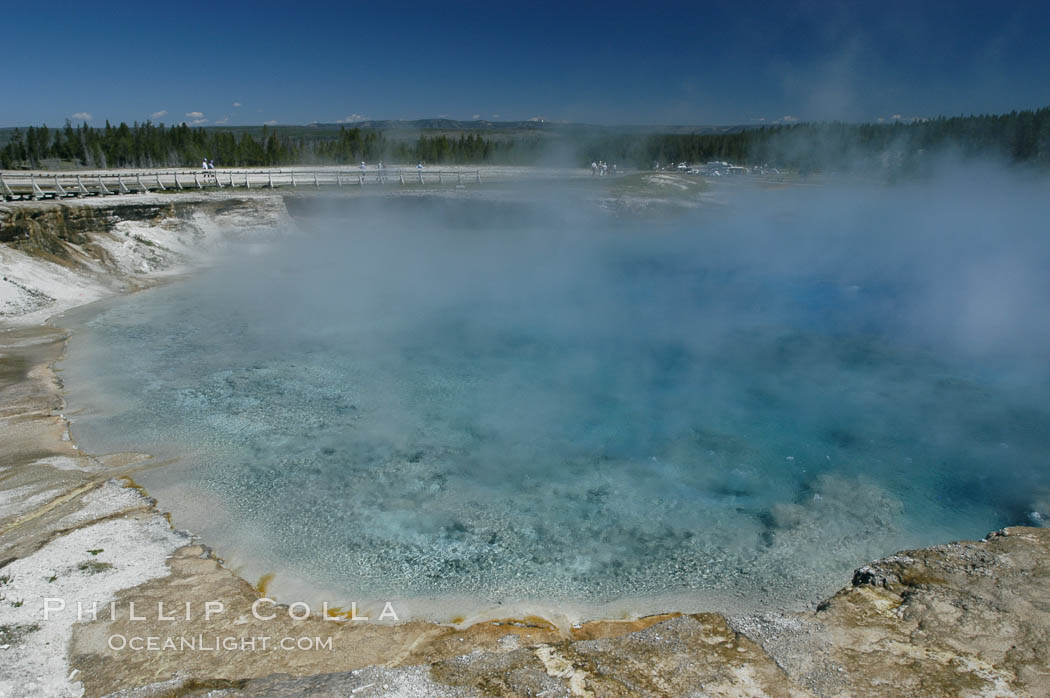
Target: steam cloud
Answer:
[[522, 393]]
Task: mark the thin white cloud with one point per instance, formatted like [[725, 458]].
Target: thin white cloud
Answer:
[[198, 122], [271, 122], [194, 115], [81, 116], [223, 120], [159, 114], [787, 118], [476, 117], [352, 118], [537, 118], [236, 104]]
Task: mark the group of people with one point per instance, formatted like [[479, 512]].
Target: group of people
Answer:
[[601, 168], [379, 166], [207, 165]]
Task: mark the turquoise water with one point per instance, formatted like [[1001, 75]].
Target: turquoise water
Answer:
[[539, 400]]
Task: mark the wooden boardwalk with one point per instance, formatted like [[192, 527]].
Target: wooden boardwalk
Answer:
[[58, 185]]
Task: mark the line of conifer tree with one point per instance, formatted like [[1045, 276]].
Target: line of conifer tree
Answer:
[[151, 145], [1020, 136], [143, 145]]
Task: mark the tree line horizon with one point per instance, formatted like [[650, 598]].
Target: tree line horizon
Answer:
[[1019, 137]]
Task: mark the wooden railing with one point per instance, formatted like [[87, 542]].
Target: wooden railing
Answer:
[[15, 185]]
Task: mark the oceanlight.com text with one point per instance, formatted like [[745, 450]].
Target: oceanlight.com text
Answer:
[[217, 643]]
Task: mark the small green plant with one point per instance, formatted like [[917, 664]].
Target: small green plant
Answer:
[[94, 567], [5, 579], [52, 578], [12, 634], [96, 551], [18, 604]]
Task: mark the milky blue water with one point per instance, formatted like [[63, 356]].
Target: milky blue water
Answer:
[[514, 400]]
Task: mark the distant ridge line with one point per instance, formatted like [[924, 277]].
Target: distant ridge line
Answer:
[[527, 125]]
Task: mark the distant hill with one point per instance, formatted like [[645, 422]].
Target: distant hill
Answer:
[[531, 125]]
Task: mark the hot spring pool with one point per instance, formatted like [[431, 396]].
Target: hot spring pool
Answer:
[[461, 404]]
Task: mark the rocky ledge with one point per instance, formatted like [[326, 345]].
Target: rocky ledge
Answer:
[[965, 619]]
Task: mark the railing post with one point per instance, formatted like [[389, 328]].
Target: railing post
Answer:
[[6, 189], [338, 179], [460, 176], [102, 186], [246, 184], [269, 177], [58, 188], [123, 187], [80, 186], [401, 176], [38, 193], [293, 180], [160, 184], [361, 179], [142, 186], [197, 181], [178, 184], [439, 178], [215, 177], [479, 176]]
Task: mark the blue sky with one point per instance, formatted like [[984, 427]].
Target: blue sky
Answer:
[[611, 62]]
